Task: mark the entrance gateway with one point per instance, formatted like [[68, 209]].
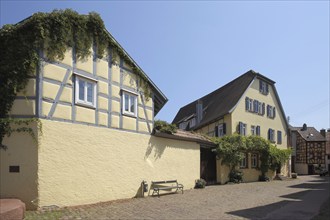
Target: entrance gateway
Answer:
[[208, 165]]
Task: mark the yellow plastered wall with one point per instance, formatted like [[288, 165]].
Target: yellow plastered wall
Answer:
[[102, 68], [84, 114], [129, 80], [79, 163], [23, 152], [278, 123], [29, 90], [54, 72], [249, 174], [209, 129], [86, 64], [23, 107]]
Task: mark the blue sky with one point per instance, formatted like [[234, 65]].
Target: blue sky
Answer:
[[190, 48]]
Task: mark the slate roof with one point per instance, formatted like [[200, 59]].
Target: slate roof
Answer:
[[221, 101], [310, 134]]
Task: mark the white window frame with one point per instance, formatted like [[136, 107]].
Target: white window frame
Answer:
[[254, 160], [221, 132], [86, 80], [130, 94], [271, 135], [253, 130]]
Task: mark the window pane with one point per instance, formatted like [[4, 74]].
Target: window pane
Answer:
[[126, 100], [90, 92], [132, 104], [81, 89]]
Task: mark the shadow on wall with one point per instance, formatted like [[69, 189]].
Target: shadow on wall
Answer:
[[156, 146]]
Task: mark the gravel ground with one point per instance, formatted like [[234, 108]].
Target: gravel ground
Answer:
[[257, 200]]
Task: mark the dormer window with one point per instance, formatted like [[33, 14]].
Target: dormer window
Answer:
[[263, 87]]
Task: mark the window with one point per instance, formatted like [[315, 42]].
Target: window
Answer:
[[258, 130], [253, 130], [243, 162], [248, 104], [270, 111], [220, 130], [242, 128], [271, 134], [85, 91], [129, 103], [254, 160], [279, 137], [263, 87], [192, 122]]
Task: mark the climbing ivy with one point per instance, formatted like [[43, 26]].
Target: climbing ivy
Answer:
[[231, 149], [51, 33], [165, 127]]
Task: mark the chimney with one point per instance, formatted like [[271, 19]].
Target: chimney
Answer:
[[199, 111], [322, 131], [304, 127]]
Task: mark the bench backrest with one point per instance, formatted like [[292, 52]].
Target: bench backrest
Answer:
[[164, 182]]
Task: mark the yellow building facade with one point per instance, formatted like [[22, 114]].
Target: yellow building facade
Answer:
[[96, 141], [248, 105]]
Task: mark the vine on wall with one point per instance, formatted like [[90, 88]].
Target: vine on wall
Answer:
[[51, 33], [231, 149]]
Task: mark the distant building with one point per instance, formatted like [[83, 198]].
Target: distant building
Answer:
[[309, 149], [326, 134]]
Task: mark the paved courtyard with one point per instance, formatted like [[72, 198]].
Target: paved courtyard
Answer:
[[292, 199]]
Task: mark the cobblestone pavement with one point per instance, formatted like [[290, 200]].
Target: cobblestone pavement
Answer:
[[257, 200]]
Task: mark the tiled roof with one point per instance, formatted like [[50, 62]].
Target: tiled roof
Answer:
[[310, 134], [221, 101], [185, 136]]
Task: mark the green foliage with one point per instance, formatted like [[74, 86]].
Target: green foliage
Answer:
[[235, 176], [231, 149], [200, 184], [278, 156], [165, 127], [52, 34]]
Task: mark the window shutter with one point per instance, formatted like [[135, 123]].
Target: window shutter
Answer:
[[258, 130], [269, 134], [224, 128], [216, 131], [247, 103], [267, 89], [274, 113], [268, 110], [260, 85]]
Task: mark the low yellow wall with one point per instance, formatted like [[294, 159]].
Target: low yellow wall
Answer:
[[81, 164], [23, 152]]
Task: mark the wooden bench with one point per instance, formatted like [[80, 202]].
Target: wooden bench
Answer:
[[165, 185]]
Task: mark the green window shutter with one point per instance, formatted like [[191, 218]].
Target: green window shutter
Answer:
[[224, 128], [216, 131]]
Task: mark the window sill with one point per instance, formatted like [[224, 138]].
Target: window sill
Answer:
[[129, 115], [85, 105]]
